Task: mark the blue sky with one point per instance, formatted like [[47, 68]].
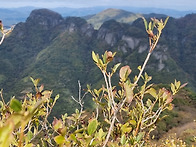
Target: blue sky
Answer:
[[170, 4]]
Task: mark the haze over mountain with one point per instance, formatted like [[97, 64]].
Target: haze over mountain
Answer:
[[12, 16]]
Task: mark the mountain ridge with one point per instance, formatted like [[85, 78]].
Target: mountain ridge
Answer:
[[58, 50]]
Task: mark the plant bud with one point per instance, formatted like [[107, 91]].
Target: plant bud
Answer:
[[109, 56]]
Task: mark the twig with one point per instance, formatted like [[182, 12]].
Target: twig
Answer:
[[2, 97], [2, 38], [110, 130]]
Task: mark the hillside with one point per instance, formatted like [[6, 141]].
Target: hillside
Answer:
[[58, 51], [116, 14]]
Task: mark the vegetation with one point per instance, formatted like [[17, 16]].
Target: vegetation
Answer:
[[116, 14], [125, 114]]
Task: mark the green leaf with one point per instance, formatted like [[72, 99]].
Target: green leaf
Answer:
[[100, 62], [1, 105], [173, 88], [133, 122], [105, 57], [77, 111], [59, 139], [150, 26], [126, 128], [145, 23], [6, 135], [96, 92], [177, 84], [101, 134], [140, 136], [73, 137], [29, 135], [139, 68], [115, 67], [170, 107], [128, 93], [124, 72], [94, 57], [57, 124], [165, 22], [55, 99], [92, 126], [15, 105], [123, 139], [35, 82], [149, 103], [152, 92], [88, 86], [153, 25]]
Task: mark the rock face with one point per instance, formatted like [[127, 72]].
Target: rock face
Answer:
[[45, 18], [77, 24]]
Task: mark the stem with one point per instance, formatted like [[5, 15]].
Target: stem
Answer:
[[110, 130], [2, 97], [2, 39], [110, 84], [20, 144], [107, 85], [143, 67]]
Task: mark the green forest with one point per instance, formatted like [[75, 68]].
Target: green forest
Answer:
[[120, 82]]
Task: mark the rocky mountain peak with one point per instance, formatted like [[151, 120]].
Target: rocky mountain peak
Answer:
[[45, 18]]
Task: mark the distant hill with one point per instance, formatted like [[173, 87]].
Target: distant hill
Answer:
[[116, 14]]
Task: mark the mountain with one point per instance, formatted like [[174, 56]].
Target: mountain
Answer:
[[116, 14], [58, 51]]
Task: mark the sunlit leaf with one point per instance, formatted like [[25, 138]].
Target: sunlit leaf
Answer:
[[15, 105], [115, 67], [145, 23], [177, 84], [73, 137], [29, 135], [92, 126], [165, 22], [101, 134], [123, 139], [170, 107], [124, 72], [35, 81], [173, 88], [126, 128], [132, 122], [6, 135], [1, 105], [139, 68], [128, 93], [140, 136], [94, 57], [57, 124], [59, 139], [152, 92]]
